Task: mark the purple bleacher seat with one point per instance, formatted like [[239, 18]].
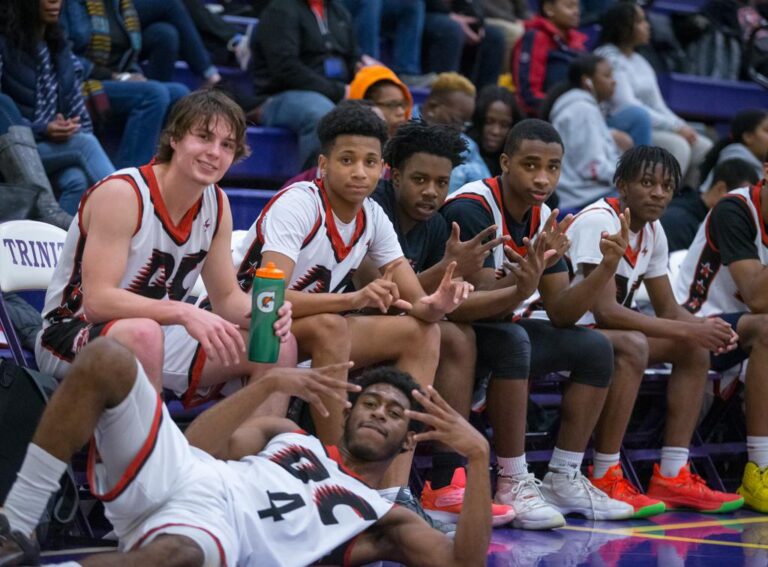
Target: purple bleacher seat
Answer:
[[246, 204], [274, 156], [710, 100]]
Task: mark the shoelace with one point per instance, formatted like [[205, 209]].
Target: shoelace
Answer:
[[623, 485], [531, 483]]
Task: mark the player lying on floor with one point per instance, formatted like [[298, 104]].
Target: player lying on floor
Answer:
[[253, 491]]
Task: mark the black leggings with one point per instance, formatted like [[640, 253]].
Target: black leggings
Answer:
[[533, 347]]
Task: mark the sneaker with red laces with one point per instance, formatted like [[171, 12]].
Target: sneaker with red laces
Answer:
[[689, 491], [617, 487], [445, 503]]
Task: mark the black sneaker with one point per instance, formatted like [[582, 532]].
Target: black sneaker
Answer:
[[15, 547], [406, 499]]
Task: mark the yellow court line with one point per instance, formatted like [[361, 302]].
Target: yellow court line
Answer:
[[689, 525], [663, 537]]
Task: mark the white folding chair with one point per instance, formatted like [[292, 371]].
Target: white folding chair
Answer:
[[29, 252]]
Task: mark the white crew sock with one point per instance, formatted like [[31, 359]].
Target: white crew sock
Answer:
[[38, 479], [757, 449], [672, 460], [601, 462], [390, 493], [565, 460], [512, 466]]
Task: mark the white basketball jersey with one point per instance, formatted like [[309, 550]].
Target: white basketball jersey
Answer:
[[645, 256], [703, 285], [299, 222], [487, 192], [164, 259], [293, 504]]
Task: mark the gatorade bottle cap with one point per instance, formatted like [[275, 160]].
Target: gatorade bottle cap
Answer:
[[270, 272]]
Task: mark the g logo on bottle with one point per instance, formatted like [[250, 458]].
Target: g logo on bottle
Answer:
[[265, 301]]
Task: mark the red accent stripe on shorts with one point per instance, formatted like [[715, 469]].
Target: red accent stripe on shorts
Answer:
[[107, 327], [222, 555], [195, 374], [136, 465]]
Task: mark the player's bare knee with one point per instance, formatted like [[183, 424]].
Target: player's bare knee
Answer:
[[143, 335], [107, 365], [326, 331], [174, 551], [457, 341], [419, 336], [630, 350]]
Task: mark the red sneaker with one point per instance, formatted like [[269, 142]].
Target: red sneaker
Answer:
[[445, 503], [617, 487], [689, 491]]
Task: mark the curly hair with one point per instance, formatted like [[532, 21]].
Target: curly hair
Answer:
[[417, 136], [18, 21], [395, 378], [350, 118]]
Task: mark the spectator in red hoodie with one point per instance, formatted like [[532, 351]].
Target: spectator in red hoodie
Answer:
[[541, 58]]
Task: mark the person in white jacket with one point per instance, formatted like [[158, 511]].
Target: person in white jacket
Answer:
[[624, 28], [591, 148]]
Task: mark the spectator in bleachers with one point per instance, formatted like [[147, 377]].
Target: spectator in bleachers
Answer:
[[591, 148], [685, 213], [451, 102], [509, 15], [646, 179], [143, 239], [224, 41], [456, 38], [384, 88], [624, 28], [495, 113], [304, 56], [403, 21], [168, 33], [747, 140], [540, 59], [20, 164], [40, 74], [106, 37]]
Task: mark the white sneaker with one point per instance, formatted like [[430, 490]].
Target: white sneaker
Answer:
[[532, 512], [571, 493]]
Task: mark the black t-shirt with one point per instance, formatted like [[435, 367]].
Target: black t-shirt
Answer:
[[473, 218], [681, 220], [732, 230], [424, 244]]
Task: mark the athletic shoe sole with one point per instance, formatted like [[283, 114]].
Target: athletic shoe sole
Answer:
[[650, 510], [753, 503], [724, 508], [591, 514], [535, 525], [452, 518]]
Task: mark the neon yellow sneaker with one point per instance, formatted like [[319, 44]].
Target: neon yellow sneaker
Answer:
[[754, 487]]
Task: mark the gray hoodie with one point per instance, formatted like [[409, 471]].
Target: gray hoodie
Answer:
[[590, 152]]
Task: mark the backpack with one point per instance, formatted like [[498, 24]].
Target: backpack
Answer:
[[23, 396]]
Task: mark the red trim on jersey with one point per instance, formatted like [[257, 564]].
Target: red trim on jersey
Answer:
[[754, 193], [132, 471], [220, 196], [334, 454], [340, 250], [222, 555], [494, 184], [181, 232], [122, 177], [629, 255], [195, 373], [107, 327]]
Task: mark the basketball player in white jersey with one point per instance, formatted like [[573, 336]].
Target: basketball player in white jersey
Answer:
[[725, 273], [141, 238], [254, 491], [646, 179], [318, 233]]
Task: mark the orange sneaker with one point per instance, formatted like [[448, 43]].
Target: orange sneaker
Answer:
[[689, 491], [445, 503], [617, 487]]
